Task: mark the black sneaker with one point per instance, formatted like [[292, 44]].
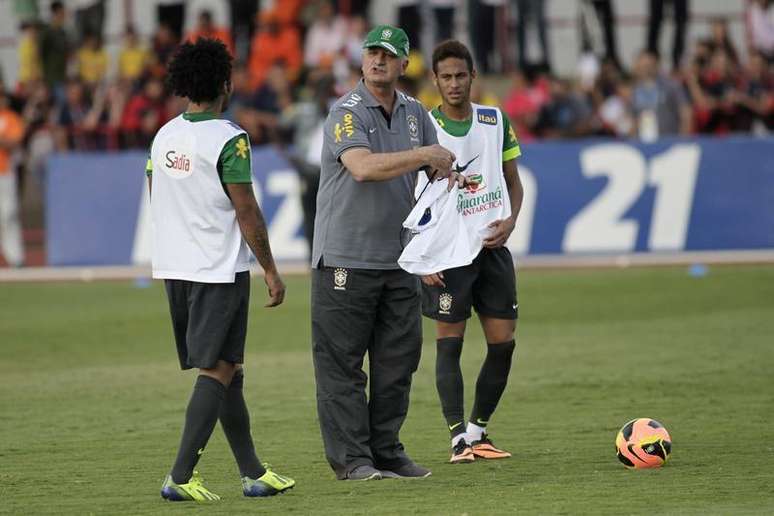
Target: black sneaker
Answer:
[[408, 470], [364, 472]]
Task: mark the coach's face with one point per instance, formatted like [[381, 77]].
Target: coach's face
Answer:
[[381, 67], [453, 79]]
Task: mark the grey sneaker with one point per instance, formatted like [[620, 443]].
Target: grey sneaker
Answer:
[[364, 472], [408, 470]]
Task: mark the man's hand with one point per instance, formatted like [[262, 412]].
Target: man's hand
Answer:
[[460, 180], [501, 230], [276, 288], [434, 280], [440, 159]]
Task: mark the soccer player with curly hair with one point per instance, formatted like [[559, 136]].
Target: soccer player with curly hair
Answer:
[[205, 222]]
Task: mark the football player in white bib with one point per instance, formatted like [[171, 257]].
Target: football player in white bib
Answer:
[[486, 149], [205, 223]]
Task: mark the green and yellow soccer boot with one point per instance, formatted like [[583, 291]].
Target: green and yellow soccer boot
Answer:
[[268, 484], [193, 491]]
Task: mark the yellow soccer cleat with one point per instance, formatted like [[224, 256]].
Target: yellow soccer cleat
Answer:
[[193, 491], [268, 484]]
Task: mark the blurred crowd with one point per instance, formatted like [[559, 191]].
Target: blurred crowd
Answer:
[[708, 90], [293, 57]]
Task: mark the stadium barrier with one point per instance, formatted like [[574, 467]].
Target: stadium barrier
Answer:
[[584, 198]]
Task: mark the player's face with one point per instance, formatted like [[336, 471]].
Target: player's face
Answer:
[[453, 80], [382, 68]]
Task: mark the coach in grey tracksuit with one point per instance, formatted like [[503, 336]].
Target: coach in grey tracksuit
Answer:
[[376, 139]]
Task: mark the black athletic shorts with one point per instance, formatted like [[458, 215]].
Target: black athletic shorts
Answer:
[[488, 285], [209, 320]]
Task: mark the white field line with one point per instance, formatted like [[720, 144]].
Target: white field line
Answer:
[[100, 273]]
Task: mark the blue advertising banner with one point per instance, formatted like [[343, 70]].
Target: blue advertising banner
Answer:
[[587, 197]]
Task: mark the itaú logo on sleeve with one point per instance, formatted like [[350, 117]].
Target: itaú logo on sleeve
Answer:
[[177, 164]]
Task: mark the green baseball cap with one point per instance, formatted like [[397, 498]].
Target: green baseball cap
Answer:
[[393, 39]]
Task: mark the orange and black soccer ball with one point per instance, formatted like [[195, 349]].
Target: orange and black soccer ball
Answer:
[[643, 443]]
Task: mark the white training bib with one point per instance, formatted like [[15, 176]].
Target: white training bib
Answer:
[[451, 227], [196, 236]]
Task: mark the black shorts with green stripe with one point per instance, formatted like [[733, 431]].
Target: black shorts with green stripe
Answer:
[[209, 320], [488, 285]]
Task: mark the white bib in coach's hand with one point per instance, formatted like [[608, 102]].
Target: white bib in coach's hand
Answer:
[[455, 224]]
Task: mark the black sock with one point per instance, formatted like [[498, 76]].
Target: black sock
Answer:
[[200, 419], [235, 421], [448, 381], [492, 381]]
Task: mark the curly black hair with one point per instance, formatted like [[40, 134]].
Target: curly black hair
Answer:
[[199, 70]]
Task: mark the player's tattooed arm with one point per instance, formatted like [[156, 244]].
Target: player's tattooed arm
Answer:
[[502, 229], [253, 228]]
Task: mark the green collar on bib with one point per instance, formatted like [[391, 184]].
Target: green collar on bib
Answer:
[[200, 117], [457, 128]]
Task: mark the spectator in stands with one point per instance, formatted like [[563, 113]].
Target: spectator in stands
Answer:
[[206, 29], [304, 120], [567, 114], [660, 105], [680, 11], [757, 97], [29, 55], [69, 130], [356, 33], [532, 13], [11, 134], [38, 114], [719, 38], [272, 97], [133, 58], [55, 49], [287, 12], [523, 104], [482, 32], [242, 26], [144, 114], [760, 27], [718, 98], [599, 16], [92, 60], [616, 113], [325, 38], [242, 100], [164, 44], [273, 43]]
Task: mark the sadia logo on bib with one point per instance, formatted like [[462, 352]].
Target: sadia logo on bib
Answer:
[[177, 156], [178, 162]]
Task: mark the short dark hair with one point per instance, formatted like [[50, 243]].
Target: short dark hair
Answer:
[[451, 48], [199, 70], [56, 6]]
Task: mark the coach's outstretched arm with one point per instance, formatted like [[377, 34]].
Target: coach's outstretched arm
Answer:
[[365, 165], [253, 228]]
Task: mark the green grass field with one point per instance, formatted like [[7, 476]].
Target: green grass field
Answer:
[[92, 401]]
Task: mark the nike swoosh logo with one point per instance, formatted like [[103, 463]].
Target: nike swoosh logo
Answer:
[[452, 427], [201, 450], [462, 169], [481, 421], [372, 130]]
